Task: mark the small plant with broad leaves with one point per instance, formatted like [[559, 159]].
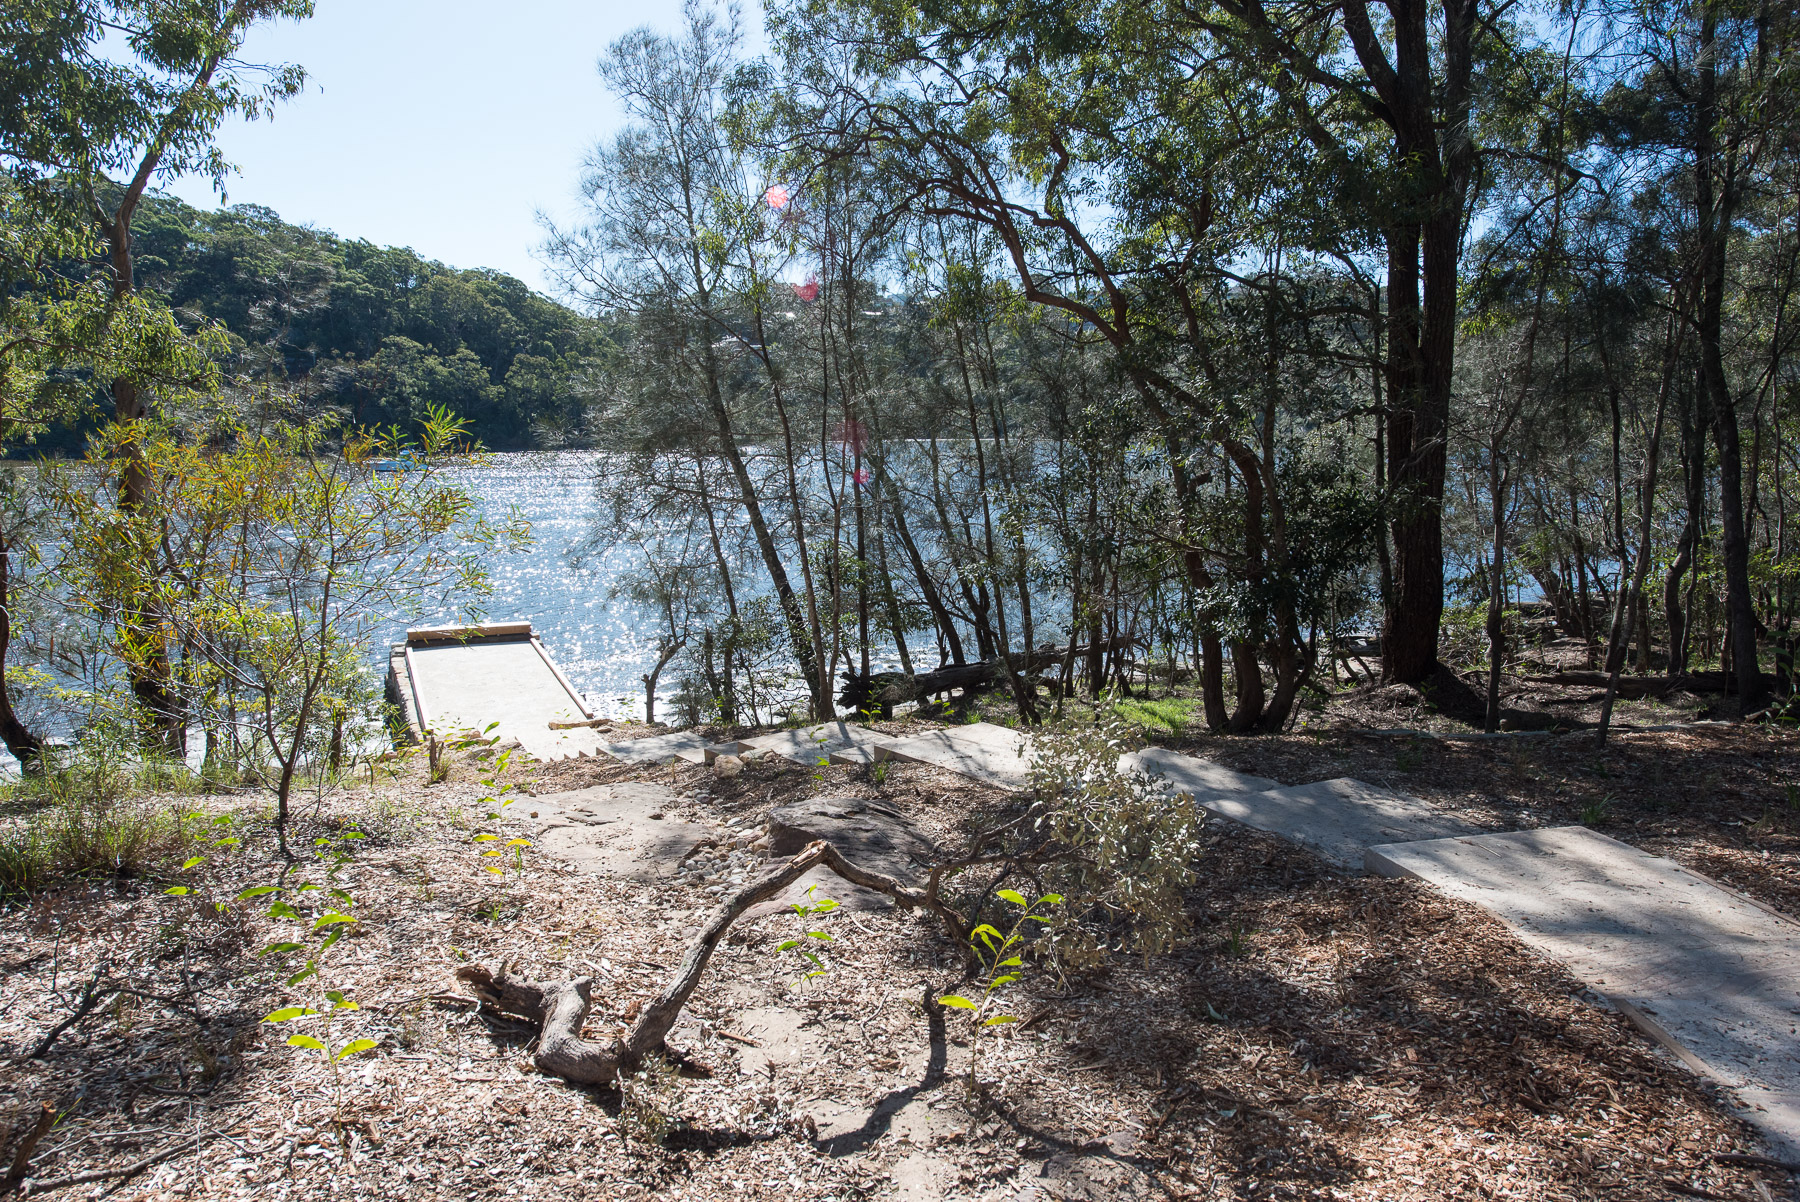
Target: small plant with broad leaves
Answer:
[[197, 891], [322, 912], [805, 944], [1002, 964], [495, 858]]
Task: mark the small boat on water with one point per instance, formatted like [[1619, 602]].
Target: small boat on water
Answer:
[[405, 463]]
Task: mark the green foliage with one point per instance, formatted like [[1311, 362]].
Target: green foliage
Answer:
[[805, 911], [272, 562], [1001, 957], [376, 334], [1133, 844], [87, 814], [1169, 715]]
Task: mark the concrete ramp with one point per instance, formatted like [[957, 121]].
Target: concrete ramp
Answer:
[[448, 679], [1711, 975]]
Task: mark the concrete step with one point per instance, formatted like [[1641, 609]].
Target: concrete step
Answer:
[[1711, 975], [660, 749], [808, 745], [995, 755]]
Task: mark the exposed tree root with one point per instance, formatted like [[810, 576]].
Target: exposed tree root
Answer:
[[562, 1006]]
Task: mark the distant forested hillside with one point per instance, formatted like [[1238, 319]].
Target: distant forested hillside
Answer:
[[376, 332]]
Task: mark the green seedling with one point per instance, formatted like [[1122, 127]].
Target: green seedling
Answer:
[[197, 891], [510, 849], [806, 910], [1001, 965], [323, 921], [1596, 812]]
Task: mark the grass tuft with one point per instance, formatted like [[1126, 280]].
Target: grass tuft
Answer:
[[1170, 715], [90, 816]]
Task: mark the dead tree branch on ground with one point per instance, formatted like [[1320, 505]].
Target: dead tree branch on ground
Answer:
[[562, 1006]]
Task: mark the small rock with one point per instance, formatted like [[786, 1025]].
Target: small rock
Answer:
[[727, 766]]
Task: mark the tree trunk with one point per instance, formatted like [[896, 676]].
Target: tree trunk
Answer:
[[26, 747], [1416, 461], [1715, 198]]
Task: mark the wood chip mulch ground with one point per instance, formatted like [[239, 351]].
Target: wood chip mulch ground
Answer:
[[1318, 1035]]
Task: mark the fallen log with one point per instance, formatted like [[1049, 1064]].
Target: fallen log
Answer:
[[888, 689], [560, 1007]]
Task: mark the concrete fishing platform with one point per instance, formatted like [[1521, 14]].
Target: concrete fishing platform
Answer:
[[447, 679]]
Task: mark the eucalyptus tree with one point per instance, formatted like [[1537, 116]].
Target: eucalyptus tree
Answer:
[[98, 100], [1125, 191], [670, 210], [1705, 103]]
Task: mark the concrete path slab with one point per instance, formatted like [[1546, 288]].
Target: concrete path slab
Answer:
[[996, 755], [1712, 972], [990, 734], [660, 749], [1190, 774], [808, 745], [1338, 820]]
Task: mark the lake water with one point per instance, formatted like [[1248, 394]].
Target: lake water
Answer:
[[599, 644], [604, 647]]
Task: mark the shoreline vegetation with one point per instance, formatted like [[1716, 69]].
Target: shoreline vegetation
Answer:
[[1405, 394]]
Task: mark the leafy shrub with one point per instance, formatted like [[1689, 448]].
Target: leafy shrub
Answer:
[[1120, 848]]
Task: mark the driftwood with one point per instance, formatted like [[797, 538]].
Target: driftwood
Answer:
[[561, 1007]]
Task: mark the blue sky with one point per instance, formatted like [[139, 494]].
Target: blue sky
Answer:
[[440, 125]]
